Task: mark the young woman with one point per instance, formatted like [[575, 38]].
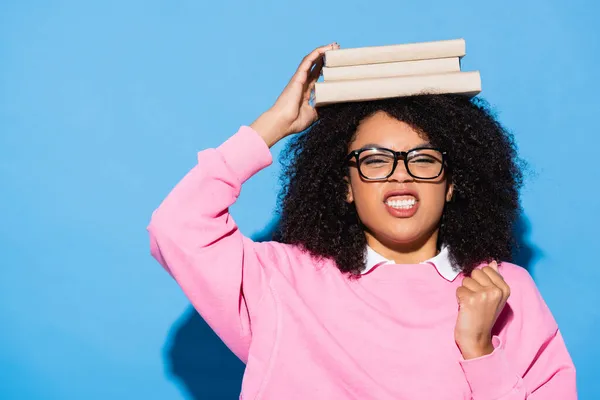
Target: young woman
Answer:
[[388, 278]]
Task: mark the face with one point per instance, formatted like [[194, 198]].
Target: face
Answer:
[[401, 210]]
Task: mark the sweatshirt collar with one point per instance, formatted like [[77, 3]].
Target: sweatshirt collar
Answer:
[[441, 262]]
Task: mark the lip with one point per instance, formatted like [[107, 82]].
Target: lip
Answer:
[[397, 212], [400, 192]]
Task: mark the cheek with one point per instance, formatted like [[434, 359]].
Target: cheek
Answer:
[[366, 195], [433, 199]]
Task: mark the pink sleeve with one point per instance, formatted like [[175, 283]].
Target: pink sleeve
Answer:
[[538, 365], [193, 236]]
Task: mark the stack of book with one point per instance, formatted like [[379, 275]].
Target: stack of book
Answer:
[[379, 72]]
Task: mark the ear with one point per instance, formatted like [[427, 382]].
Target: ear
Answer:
[[349, 194], [449, 192]]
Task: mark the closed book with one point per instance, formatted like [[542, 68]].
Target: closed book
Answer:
[[396, 52], [385, 70], [465, 83]]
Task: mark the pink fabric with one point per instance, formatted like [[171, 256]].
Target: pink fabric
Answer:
[[306, 331]]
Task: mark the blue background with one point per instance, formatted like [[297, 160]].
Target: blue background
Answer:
[[104, 104]]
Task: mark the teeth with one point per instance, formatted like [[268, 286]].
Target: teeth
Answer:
[[402, 204]]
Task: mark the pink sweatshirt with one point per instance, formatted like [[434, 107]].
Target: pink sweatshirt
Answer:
[[305, 331]]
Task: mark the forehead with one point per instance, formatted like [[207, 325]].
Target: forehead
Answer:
[[386, 131]]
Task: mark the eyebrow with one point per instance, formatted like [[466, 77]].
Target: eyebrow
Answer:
[[422, 145]]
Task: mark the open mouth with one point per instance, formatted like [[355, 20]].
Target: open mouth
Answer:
[[401, 202]]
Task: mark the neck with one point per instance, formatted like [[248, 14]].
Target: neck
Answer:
[[405, 253]]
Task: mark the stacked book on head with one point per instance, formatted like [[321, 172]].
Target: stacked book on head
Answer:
[[379, 72]]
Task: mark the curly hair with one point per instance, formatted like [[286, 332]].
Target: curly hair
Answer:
[[477, 225]]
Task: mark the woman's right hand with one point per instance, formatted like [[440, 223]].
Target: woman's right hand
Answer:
[[292, 112]]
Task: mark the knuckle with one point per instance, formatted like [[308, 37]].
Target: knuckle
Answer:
[[495, 293]]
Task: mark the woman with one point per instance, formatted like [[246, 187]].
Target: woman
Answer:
[[387, 280]]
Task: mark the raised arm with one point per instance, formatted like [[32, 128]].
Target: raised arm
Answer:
[[193, 236]]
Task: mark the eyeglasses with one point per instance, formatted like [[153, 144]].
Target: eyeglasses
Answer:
[[376, 163]]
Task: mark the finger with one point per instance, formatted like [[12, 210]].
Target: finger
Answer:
[[481, 277], [316, 71], [472, 284], [492, 273], [308, 61], [497, 279], [463, 292]]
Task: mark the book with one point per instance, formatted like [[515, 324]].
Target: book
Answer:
[[465, 83], [384, 70], [394, 53]]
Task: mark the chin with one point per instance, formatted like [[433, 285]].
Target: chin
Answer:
[[404, 238], [404, 231]]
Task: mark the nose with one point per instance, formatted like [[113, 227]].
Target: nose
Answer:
[[400, 174]]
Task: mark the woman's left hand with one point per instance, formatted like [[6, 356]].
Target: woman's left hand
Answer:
[[481, 298]]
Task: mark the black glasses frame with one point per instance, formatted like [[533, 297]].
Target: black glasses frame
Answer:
[[397, 155]]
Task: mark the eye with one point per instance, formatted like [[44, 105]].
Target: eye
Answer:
[[374, 160], [423, 160], [425, 157]]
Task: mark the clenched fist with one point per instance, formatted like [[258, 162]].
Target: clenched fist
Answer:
[[481, 298]]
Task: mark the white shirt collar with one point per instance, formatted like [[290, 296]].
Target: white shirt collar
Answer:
[[441, 262]]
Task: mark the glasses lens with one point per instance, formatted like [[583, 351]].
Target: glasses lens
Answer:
[[376, 164], [425, 163]]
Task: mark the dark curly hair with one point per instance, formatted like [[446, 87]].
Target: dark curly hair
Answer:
[[477, 224]]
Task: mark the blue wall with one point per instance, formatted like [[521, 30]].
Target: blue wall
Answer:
[[104, 104]]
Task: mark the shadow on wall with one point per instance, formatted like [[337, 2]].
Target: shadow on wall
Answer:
[[200, 362], [526, 252]]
